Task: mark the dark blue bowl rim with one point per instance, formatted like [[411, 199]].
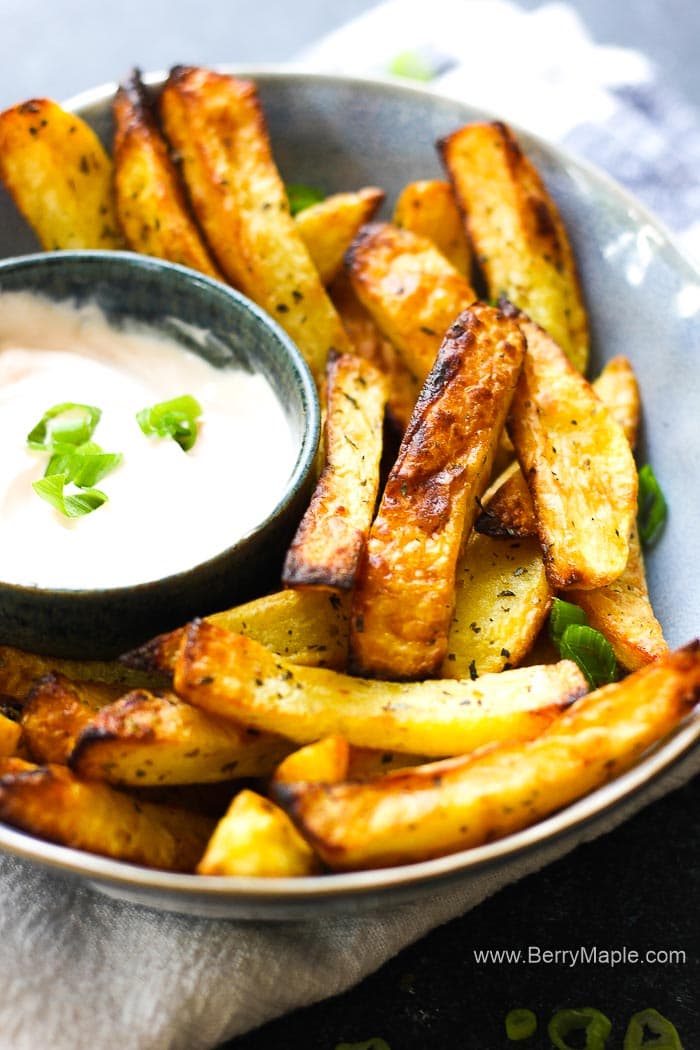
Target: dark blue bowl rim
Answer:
[[310, 402]]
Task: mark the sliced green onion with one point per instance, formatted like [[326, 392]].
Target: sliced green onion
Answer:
[[653, 509], [561, 616], [301, 196], [68, 423], [664, 1034], [412, 66], [591, 651], [586, 1019], [72, 506], [84, 465], [520, 1024], [176, 419], [369, 1044]]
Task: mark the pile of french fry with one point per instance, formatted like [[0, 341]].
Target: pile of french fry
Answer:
[[396, 700]]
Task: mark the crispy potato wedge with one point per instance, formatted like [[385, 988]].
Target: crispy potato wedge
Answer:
[[256, 837], [19, 670], [15, 764], [56, 712], [10, 733], [503, 598], [623, 613], [368, 762], [517, 232], [235, 677], [326, 761], [52, 803], [617, 387], [456, 804], [329, 227], [151, 207], [149, 738], [308, 627], [404, 599], [410, 289], [331, 537], [59, 176], [429, 208], [369, 343], [578, 466], [216, 125]]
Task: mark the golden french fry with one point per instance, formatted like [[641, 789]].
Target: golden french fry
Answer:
[[216, 124], [578, 465], [503, 598], [507, 509], [369, 343], [443, 807], [234, 677], [326, 761], [329, 227], [428, 207], [256, 837], [623, 613], [52, 803], [404, 597], [147, 739], [517, 232], [410, 289], [19, 671], [56, 712], [59, 176], [331, 537], [10, 733], [150, 200], [617, 387]]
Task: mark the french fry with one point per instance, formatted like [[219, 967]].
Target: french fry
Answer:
[[617, 387], [578, 465], [622, 612], [460, 803], [517, 232], [428, 208], [329, 227], [410, 289], [59, 176], [503, 598], [150, 201], [52, 803], [19, 670], [331, 537], [146, 739], [216, 125], [56, 712], [14, 764], [10, 733], [326, 761], [234, 677], [369, 343], [255, 837], [307, 627], [404, 598]]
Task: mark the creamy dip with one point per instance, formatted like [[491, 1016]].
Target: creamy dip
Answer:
[[167, 510]]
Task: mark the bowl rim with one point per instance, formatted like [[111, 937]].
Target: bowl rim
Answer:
[[310, 434], [650, 768]]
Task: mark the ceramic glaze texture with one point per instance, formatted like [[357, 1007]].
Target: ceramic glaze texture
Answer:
[[643, 298]]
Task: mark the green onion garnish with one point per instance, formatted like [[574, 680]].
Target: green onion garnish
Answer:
[[84, 465], [653, 510], [586, 1019], [412, 66], [73, 506], [665, 1036], [369, 1044], [561, 615], [176, 419], [68, 423], [520, 1024], [301, 196], [589, 649]]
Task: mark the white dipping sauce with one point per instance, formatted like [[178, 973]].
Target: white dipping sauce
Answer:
[[167, 510]]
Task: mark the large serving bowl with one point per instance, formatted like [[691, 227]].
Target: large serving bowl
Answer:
[[644, 301]]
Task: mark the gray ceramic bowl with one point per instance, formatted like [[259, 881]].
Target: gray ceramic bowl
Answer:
[[103, 623], [644, 301]]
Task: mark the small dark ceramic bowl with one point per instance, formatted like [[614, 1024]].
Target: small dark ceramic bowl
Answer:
[[174, 301]]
